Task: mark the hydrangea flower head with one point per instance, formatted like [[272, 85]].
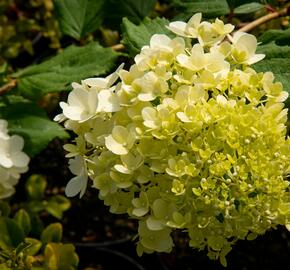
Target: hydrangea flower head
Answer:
[[197, 143], [13, 161]]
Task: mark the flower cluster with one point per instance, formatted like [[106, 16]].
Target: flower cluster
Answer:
[[189, 138], [13, 161]]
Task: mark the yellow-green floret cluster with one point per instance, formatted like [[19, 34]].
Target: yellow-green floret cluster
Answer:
[[189, 138]]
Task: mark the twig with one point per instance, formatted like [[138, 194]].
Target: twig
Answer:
[[7, 87], [263, 19], [118, 47]]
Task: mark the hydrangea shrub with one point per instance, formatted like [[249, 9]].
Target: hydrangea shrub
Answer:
[[13, 161], [189, 138]]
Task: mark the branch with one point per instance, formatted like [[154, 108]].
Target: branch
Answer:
[[118, 47], [7, 87], [268, 17]]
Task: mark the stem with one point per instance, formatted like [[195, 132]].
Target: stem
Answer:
[[263, 19], [7, 87], [118, 47]]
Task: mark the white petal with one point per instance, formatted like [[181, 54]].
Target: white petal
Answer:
[[5, 161], [20, 159], [237, 36], [75, 186], [149, 113], [9, 191], [114, 146], [282, 97], [159, 40], [122, 169], [150, 117], [59, 118], [181, 95], [183, 117], [76, 85], [71, 112], [197, 50], [183, 60], [84, 186], [19, 170], [3, 129], [146, 96], [99, 83], [114, 76], [92, 101], [221, 100], [154, 224], [76, 165], [195, 20], [108, 102], [78, 97], [178, 28], [3, 125], [255, 58], [132, 161], [249, 41], [139, 212], [196, 93], [16, 144], [228, 28], [4, 174], [120, 134]]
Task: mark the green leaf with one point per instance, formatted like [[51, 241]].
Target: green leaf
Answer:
[[134, 10], [60, 256], [53, 209], [11, 234], [3, 266], [277, 60], [280, 37], [57, 205], [136, 36], [34, 246], [272, 50], [36, 206], [235, 3], [35, 186], [4, 209], [63, 202], [208, 8], [52, 233], [73, 64], [26, 119], [249, 8], [23, 220], [36, 225], [275, 45], [21, 248], [79, 17]]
